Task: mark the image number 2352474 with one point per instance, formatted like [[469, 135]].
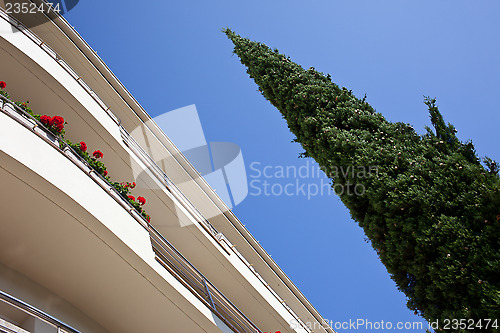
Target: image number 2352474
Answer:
[[22, 7]]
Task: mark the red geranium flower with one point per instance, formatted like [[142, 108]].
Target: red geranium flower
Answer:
[[83, 146], [132, 185], [58, 120], [46, 120], [131, 197], [3, 85], [105, 173], [141, 200], [60, 127], [97, 154]]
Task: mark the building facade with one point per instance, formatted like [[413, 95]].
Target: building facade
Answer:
[[77, 254]]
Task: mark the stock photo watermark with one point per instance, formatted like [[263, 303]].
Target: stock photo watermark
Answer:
[[221, 166], [56, 6], [308, 180], [21, 10], [381, 325], [360, 324]]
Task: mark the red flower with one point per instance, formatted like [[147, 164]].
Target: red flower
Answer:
[[132, 185], [83, 146], [105, 173], [141, 200], [131, 197], [97, 154], [46, 120], [60, 127], [58, 120], [3, 85]]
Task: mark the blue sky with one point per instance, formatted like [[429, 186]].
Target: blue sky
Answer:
[[173, 54]]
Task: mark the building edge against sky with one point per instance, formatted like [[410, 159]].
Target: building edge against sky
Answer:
[[72, 248]]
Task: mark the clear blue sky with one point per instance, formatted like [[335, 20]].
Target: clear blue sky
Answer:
[[172, 54]]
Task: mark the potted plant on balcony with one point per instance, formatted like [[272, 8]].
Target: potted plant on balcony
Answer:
[[55, 125]]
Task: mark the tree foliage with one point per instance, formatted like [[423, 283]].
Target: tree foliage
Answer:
[[431, 211]]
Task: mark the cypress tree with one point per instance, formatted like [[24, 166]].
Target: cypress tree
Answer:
[[429, 207]]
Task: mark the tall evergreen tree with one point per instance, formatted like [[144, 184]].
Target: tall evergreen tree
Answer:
[[431, 211]]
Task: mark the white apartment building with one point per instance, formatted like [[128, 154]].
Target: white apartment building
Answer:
[[75, 254]]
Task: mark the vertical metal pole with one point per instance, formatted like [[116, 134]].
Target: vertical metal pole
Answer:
[[209, 295]]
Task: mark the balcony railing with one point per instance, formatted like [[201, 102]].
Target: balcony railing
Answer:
[[180, 267], [36, 313], [152, 166]]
